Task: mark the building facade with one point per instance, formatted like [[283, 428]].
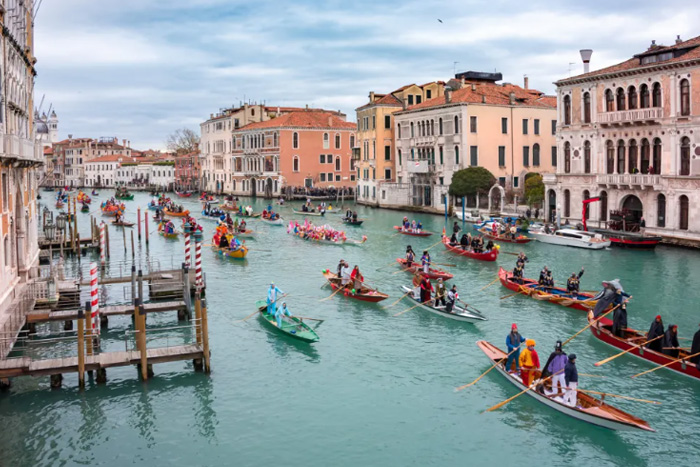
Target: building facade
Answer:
[[375, 150], [188, 171], [629, 134], [507, 129], [135, 172]]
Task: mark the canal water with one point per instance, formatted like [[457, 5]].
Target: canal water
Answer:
[[376, 389]]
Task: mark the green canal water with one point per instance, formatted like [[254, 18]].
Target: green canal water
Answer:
[[375, 390]]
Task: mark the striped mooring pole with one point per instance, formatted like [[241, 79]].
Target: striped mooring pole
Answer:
[[102, 244], [94, 298], [188, 230], [198, 260]]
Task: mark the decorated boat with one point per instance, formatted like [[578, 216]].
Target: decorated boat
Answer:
[[238, 253], [85, 208], [485, 256], [163, 233], [307, 213], [59, 204], [602, 330], [111, 209], [229, 207], [411, 232], [83, 198], [458, 313], [365, 294], [184, 213], [581, 301], [291, 326], [123, 194], [504, 238], [417, 268], [588, 408]]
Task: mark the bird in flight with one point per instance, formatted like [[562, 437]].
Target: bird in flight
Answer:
[[439, 20]]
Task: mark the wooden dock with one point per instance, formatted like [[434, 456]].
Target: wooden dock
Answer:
[[110, 310]]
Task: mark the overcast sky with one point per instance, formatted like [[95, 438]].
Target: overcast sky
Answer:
[[138, 69]]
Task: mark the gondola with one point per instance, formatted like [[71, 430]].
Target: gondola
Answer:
[[123, 224], [422, 233], [582, 301], [629, 239], [255, 215], [183, 194], [291, 326], [587, 408], [459, 313], [365, 294], [278, 221], [417, 268], [504, 238], [351, 221], [485, 256]]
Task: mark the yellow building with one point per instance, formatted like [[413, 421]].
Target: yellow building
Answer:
[[374, 154]]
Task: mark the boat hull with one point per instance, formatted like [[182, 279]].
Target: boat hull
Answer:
[[559, 296], [461, 315], [278, 221], [554, 240], [238, 254], [299, 330], [373, 296], [422, 233], [506, 239], [486, 256], [302, 213], [184, 213], [416, 268]]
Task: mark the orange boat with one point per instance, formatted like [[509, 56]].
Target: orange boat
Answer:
[[184, 213]]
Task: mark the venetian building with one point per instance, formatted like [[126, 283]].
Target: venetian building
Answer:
[[628, 134]]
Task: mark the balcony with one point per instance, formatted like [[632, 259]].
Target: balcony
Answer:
[[356, 154], [418, 167], [21, 149], [630, 116], [421, 141], [629, 180]]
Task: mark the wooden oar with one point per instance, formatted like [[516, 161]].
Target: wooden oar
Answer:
[[310, 319], [436, 243], [602, 362], [445, 264], [397, 301], [510, 253], [533, 385], [619, 396], [466, 305], [259, 310], [341, 287], [592, 376], [486, 372], [667, 364], [490, 284], [414, 306], [382, 267], [595, 321]]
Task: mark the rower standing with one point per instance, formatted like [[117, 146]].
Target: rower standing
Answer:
[[464, 242], [518, 274], [426, 289], [555, 366], [655, 330], [452, 297], [571, 380], [410, 256], [345, 274], [281, 312], [620, 320], [455, 228], [543, 277], [440, 293], [513, 342], [521, 260], [671, 344], [425, 260], [573, 284], [340, 268], [529, 362], [695, 348], [357, 278], [273, 294]]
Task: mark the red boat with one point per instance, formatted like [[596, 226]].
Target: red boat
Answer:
[[422, 233], [629, 239], [582, 301], [184, 194], [504, 238], [365, 294], [417, 268], [602, 330], [486, 256]]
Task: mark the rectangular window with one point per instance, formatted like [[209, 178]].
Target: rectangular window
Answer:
[[442, 180], [387, 174], [473, 156], [330, 177], [504, 125], [428, 94], [387, 122], [374, 122], [554, 127], [554, 156], [352, 177], [419, 99], [524, 126], [383, 194], [501, 156], [322, 158], [387, 153], [323, 177], [502, 181], [472, 124], [537, 126], [410, 99], [337, 178], [515, 182], [526, 156]]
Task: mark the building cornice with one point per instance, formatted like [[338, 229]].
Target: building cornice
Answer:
[[477, 104], [627, 73]]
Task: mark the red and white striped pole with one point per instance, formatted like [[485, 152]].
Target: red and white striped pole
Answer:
[[94, 298], [102, 244], [198, 260], [188, 230]]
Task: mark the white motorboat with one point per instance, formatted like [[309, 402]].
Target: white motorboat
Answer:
[[458, 313], [469, 216], [571, 237]]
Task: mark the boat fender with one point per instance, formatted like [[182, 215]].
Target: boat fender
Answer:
[[293, 331], [353, 291]]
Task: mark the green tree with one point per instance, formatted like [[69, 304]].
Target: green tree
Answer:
[[471, 181], [534, 189]]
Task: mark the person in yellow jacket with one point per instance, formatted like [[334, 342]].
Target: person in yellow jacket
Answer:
[[529, 362]]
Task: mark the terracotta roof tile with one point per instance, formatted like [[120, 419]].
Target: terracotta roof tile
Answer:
[[306, 119], [111, 158], [492, 94]]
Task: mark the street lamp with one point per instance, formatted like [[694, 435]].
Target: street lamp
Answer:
[[61, 222], [50, 230]]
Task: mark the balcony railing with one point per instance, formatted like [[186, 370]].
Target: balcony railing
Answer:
[[631, 116], [641, 180], [20, 148]]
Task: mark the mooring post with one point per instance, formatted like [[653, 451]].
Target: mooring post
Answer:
[[81, 345], [145, 225], [133, 254], [205, 337], [142, 337], [198, 283], [198, 318], [188, 230], [138, 221], [185, 293], [103, 253], [107, 239]]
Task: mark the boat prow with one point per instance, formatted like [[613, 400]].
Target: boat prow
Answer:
[[291, 326]]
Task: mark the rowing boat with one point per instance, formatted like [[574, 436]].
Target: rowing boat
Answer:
[[85, 208], [308, 213], [458, 313], [278, 221], [588, 408], [422, 233], [331, 242], [504, 238], [124, 196], [183, 194], [351, 221], [296, 328], [210, 201], [417, 268], [365, 294], [251, 216], [240, 253], [184, 213], [485, 256], [155, 207], [169, 235], [602, 329], [581, 301], [227, 207], [123, 224]]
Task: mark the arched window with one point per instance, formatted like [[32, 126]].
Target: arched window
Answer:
[[632, 158], [586, 195], [683, 213], [644, 96], [645, 159], [295, 164], [661, 210], [567, 110], [432, 127], [685, 156], [441, 156], [609, 101], [295, 140], [326, 141], [609, 157], [567, 157], [631, 97], [440, 125], [456, 154], [620, 157], [656, 95], [536, 155], [656, 161], [685, 97], [456, 124], [587, 157], [337, 163], [567, 203], [586, 107], [603, 206], [620, 99], [337, 140], [412, 133]]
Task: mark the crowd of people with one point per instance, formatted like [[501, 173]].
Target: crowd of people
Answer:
[[269, 213], [308, 231], [321, 192], [412, 227]]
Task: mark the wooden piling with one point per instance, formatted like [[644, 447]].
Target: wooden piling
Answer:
[[133, 254], [81, 346], [205, 336], [138, 220], [145, 225], [141, 320], [198, 319], [124, 235], [77, 234], [107, 239], [87, 320]]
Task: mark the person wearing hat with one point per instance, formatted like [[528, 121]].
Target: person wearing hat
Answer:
[[425, 260], [513, 341], [452, 297], [543, 276], [571, 380], [273, 294], [670, 342], [555, 366], [521, 260], [440, 293], [655, 330], [574, 282], [695, 348], [529, 362], [281, 312], [518, 274], [620, 320]]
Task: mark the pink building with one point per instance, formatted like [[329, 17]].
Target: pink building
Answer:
[[187, 171]]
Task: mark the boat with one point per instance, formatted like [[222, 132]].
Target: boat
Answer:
[[244, 233], [124, 196], [469, 216], [227, 207], [169, 235], [351, 221], [123, 224], [365, 294], [602, 330], [184, 213], [251, 216], [582, 301], [212, 217], [59, 204], [240, 253], [331, 242], [154, 207], [210, 201], [485, 256], [422, 233], [588, 408], [417, 268], [308, 213], [504, 238], [459, 313], [296, 328], [85, 208], [629, 239], [278, 221], [183, 194], [572, 237]]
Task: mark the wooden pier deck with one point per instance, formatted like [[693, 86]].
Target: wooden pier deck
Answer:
[[110, 310]]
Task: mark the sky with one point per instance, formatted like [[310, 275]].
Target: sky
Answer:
[[139, 69]]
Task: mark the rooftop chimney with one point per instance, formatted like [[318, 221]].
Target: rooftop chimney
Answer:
[[473, 86], [462, 83], [448, 94], [526, 82], [586, 57], [678, 39], [483, 98], [511, 98], [371, 96], [653, 44]]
